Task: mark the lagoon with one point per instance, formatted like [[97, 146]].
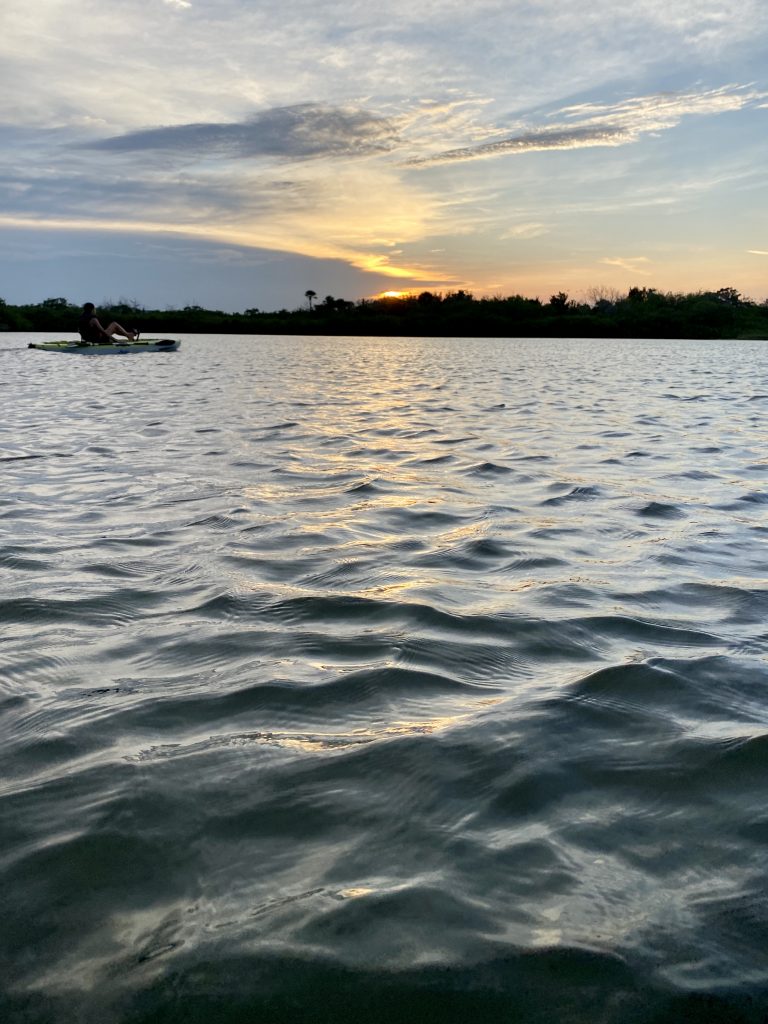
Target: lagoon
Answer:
[[399, 679]]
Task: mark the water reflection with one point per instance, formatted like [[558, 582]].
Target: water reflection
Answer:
[[338, 662]]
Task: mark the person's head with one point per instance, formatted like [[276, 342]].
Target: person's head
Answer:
[[88, 307]]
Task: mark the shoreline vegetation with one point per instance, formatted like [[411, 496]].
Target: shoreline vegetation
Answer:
[[640, 313]]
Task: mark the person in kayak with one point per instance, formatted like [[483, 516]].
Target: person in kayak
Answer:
[[92, 332]]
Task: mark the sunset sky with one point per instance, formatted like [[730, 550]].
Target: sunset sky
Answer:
[[234, 153]]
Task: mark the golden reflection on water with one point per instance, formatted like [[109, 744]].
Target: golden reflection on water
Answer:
[[372, 733], [350, 427], [318, 742], [356, 893]]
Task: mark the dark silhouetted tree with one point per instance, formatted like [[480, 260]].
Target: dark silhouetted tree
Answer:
[[729, 295], [559, 302]]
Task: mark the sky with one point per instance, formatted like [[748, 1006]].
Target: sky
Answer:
[[235, 153]]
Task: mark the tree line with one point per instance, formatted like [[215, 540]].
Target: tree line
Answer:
[[640, 313]]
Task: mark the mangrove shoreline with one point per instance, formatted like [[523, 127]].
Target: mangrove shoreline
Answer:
[[641, 313]]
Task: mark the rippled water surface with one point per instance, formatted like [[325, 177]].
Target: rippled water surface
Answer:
[[384, 679]]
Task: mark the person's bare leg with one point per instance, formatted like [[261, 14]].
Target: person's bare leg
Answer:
[[115, 328]]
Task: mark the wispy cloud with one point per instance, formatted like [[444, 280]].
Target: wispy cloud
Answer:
[[757, 252], [529, 142], [524, 231], [632, 264], [593, 124]]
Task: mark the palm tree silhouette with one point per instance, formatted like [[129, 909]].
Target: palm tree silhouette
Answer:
[[309, 295]]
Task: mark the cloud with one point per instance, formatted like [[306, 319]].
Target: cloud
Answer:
[[593, 124], [183, 131], [633, 264], [222, 57], [757, 252], [532, 230], [529, 142], [302, 131], [357, 213]]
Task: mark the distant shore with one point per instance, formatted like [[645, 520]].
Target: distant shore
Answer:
[[641, 313]]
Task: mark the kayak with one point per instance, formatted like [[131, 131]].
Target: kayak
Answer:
[[84, 348]]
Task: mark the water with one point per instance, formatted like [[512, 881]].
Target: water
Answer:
[[385, 680]]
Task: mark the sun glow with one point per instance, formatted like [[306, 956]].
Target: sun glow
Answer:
[[393, 295]]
